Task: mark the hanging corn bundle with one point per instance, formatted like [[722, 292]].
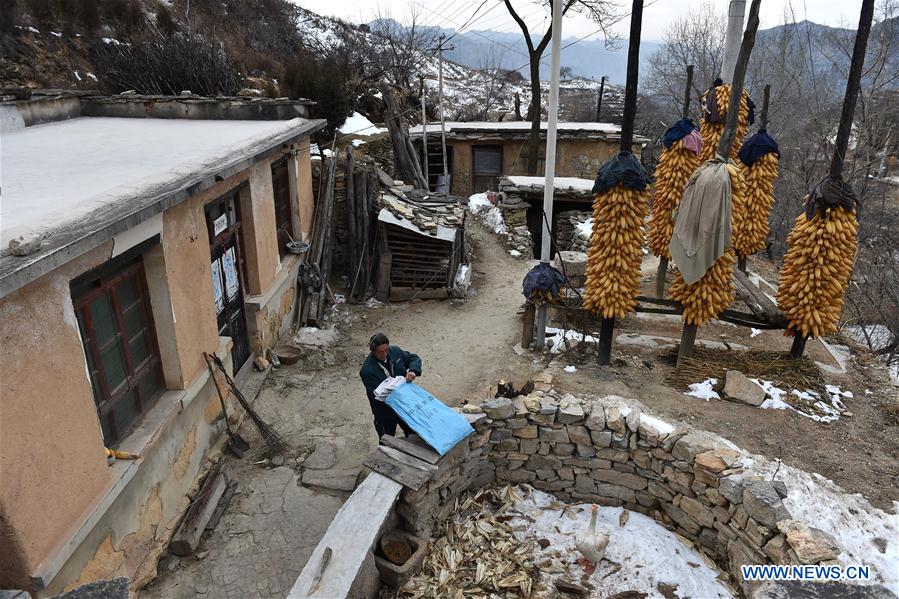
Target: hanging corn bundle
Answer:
[[759, 156], [679, 158], [700, 245], [616, 245], [821, 247], [712, 124], [819, 260], [676, 163], [701, 242], [620, 204]]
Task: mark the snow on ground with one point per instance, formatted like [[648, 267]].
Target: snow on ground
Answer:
[[479, 205], [704, 390], [585, 229], [647, 553], [808, 403], [514, 253], [358, 124], [866, 534], [557, 337], [879, 335], [570, 369], [99, 162], [559, 183]]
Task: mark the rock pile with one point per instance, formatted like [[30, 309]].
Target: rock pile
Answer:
[[568, 234]]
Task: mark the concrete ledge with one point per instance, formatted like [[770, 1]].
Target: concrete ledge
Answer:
[[350, 571]]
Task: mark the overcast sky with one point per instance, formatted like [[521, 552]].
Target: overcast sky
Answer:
[[493, 16]]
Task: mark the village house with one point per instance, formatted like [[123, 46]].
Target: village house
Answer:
[[137, 233], [479, 153]]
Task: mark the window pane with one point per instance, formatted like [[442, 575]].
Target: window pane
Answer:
[[140, 350], [128, 292], [113, 366], [134, 320], [107, 430], [102, 319], [126, 412]]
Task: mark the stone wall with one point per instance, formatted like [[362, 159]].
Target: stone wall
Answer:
[[606, 450]]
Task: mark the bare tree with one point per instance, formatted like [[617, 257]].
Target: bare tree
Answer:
[[492, 79], [403, 48], [602, 12], [697, 39]]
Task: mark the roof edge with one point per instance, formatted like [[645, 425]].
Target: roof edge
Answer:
[[81, 237]]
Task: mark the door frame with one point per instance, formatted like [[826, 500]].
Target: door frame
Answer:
[[228, 237]]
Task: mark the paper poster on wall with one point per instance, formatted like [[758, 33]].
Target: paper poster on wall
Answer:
[[219, 225], [217, 287], [232, 284]]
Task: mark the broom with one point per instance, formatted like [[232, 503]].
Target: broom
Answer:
[[271, 437]]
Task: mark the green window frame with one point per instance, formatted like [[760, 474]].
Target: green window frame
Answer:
[[112, 306]]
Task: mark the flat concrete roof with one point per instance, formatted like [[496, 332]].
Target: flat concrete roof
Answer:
[[521, 129], [79, 182]]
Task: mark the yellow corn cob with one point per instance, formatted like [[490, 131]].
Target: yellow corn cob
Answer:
[[675, 166], [616, 251], [816, 270], [758, 199], [711, 132]]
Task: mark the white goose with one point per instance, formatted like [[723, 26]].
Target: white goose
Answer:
[[591, 544]]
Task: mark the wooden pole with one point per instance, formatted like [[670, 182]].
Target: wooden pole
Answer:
[[527, 325], [687, 341], [763, 115], [853, 84], [662, 270], [424, 136], [351, 217], [602, 87], [446, 184], [607, 331], [688, 336]]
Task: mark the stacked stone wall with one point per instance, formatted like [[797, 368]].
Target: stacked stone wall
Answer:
[[606, 450]]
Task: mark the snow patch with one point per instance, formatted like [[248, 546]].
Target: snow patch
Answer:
[[358, 124], [514, 253], [704, 390], [570, 369], [807, 403], [654, 423], [358, 142], [755, 332], [558, 337], [639, 542], [585, 229], [479, 205]]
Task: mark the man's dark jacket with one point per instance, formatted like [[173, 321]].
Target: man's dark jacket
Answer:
[[401, 361]]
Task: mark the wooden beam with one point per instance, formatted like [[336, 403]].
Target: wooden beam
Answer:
[[189, 532], [406, 459], [423, 453], [407, 476]]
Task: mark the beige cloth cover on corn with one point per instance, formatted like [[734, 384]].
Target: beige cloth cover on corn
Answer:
[[702, 222]]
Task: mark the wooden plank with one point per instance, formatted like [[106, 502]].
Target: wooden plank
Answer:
[[758, 303], [424, 453], [198, 515], [407, 476], [350, 537], [406, 459]]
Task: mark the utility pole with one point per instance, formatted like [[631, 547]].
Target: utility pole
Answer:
[[736, 13], [440, 48], [602, 87], [550, 168], [424, 132]]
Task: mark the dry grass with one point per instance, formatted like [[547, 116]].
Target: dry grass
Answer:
[[774, 366]]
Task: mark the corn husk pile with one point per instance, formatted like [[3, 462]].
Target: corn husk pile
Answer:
[[758, 199], [477, 554], [711, 132], [676, 164], [709, 296], [616, 251], [816, 270]]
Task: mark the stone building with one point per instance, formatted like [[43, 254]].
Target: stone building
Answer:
[[479, 153], [137, 233]]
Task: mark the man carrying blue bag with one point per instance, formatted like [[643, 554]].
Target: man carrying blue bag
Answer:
[[385, 362]]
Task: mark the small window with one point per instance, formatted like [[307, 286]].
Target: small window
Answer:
[[281, 189], [116, 324], [487, 162]]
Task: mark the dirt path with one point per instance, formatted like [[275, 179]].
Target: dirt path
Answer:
[[274, 522]]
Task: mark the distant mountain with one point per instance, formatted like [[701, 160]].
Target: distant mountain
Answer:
[[591, 59]]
